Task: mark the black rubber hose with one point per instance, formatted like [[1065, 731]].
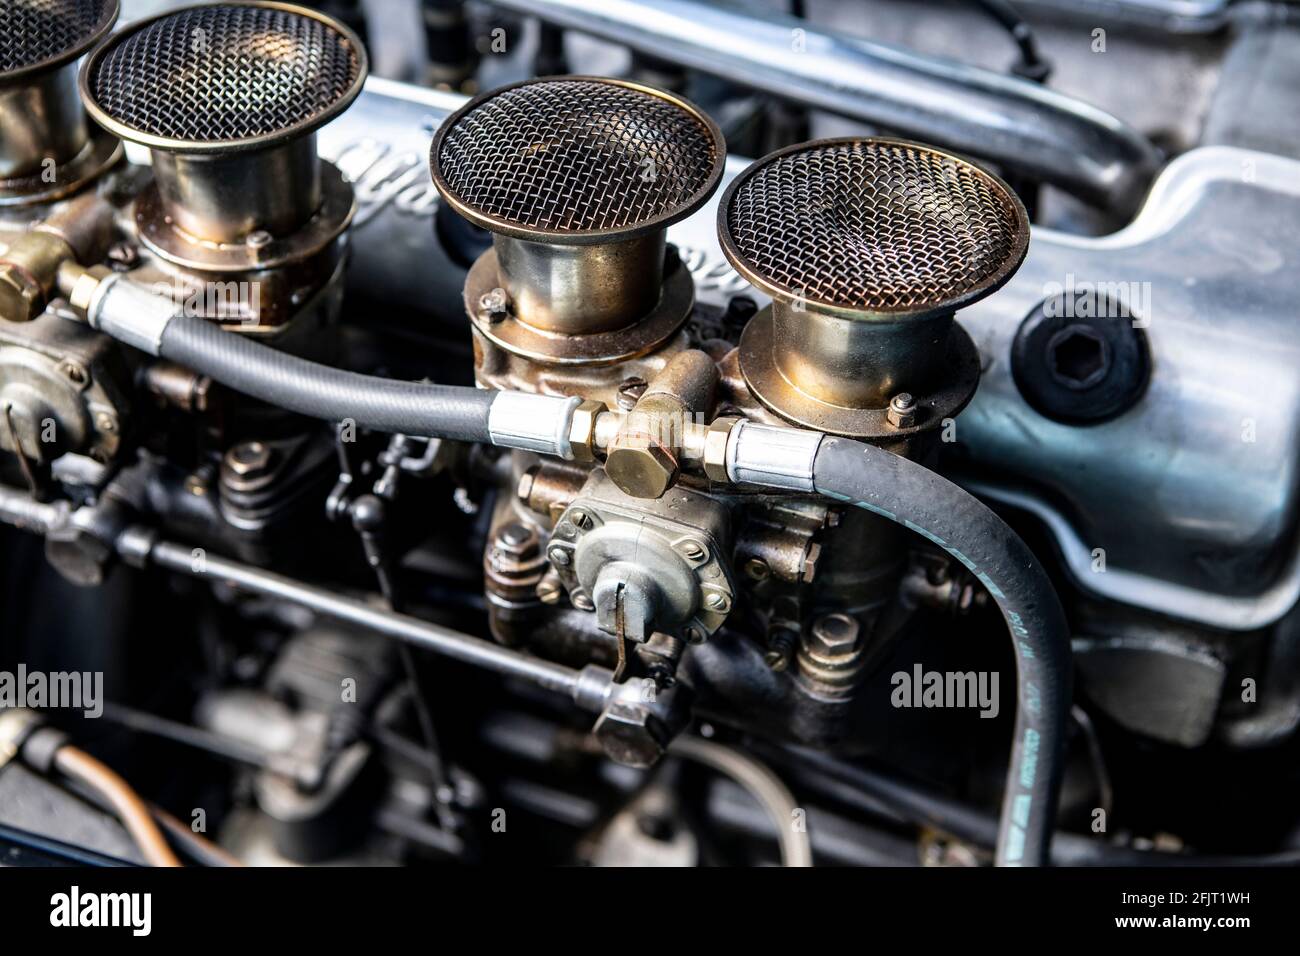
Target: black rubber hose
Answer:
[[319, 391], [935, 508], [867, 790]]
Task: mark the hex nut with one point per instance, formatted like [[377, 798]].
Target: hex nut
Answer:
[[248, 458], [641, 470], [84, 287], [21, 299], [833, 636], [715, 449], [902, 410], [631, 736], [582, 430], [28, 273]]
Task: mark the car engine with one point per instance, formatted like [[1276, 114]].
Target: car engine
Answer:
[[650, 432]]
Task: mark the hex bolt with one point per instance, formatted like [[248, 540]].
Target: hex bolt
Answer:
[[248, 458], [516, 539], [514, 534], [559, 557], [834, 635], [494, 305], [902, 410]]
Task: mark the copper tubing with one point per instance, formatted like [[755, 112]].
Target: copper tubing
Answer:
[[131, 810], [199, 846]]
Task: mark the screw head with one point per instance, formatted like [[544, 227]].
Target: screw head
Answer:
[[74, 372], [629, 390], [258, 239], [580, 519], [559, 557], [717, 601], [549, 590], [692, 550], [582, 601], [776, 659], [123, 256], [1078, 357], [494, 305], [756, 569]]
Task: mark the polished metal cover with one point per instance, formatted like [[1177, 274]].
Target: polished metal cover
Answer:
[[40, 34], [872, 226], [577, 159], [226, 76]]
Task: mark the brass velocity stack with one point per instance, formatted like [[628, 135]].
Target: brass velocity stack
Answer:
[[578, 179], [228, 98], [47, 148], [867, 247]]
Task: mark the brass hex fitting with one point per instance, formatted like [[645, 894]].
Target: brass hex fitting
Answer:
[[28, 270], [582, 430], [715, 449], [644, 458], [79, 285], [641, 467]]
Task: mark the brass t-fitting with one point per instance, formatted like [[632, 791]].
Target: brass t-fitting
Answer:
[[645, 457]]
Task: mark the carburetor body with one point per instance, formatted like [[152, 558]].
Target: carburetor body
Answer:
[[640, 546]]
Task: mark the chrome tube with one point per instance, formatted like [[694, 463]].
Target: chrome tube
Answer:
[[1015, 123], [857, 363], [577, 290], [223, 197], [40, 120]]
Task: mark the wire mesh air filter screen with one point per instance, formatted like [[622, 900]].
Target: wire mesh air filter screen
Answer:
[[577, 155], [876, 226], [224, 73], [33, 31]]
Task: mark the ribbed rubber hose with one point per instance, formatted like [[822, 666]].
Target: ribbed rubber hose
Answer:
[[917, 498], [319, 391]]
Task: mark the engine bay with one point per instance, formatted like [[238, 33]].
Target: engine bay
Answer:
[[650, 433]]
